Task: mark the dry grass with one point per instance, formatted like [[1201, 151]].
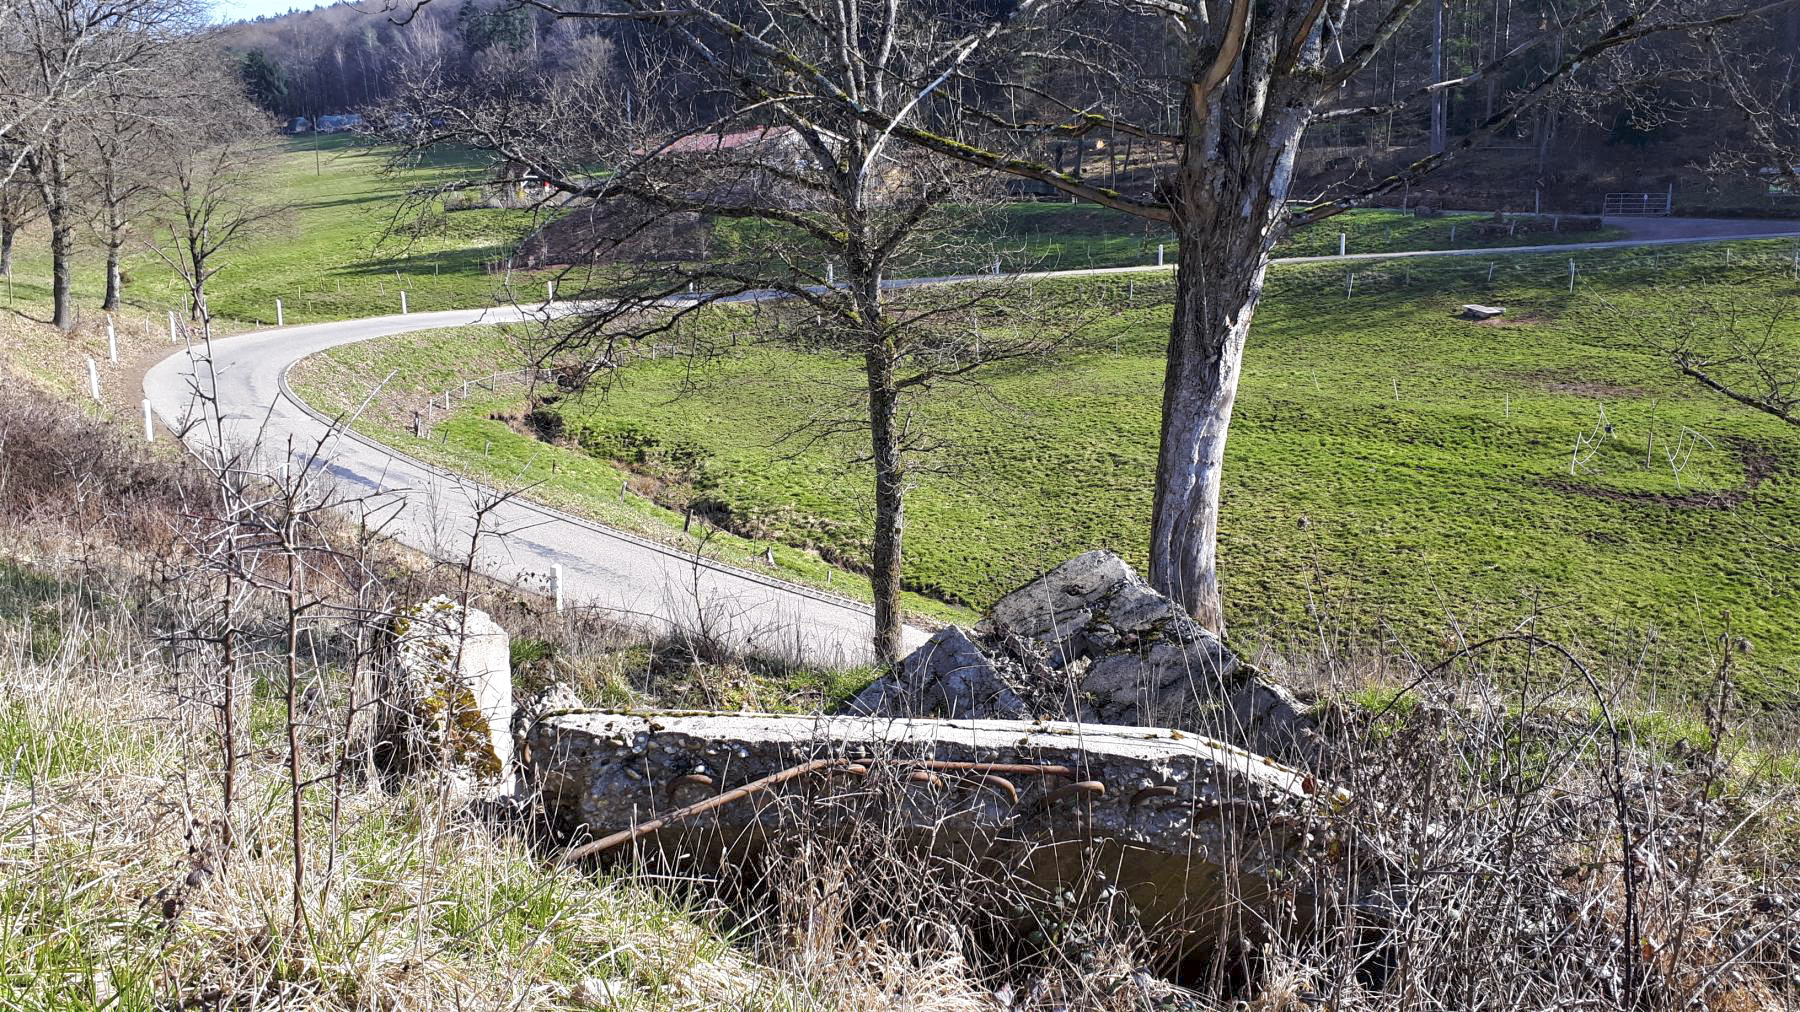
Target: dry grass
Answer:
[[119, 891], [1534, 841]]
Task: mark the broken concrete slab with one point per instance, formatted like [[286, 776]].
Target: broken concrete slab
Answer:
[[1472, 311], [1092, 641], [444, 699], [1185, 827]]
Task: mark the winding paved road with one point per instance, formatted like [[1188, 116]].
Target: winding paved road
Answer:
[[640, 581]]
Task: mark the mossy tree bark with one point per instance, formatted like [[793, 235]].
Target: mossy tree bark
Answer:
[[50, 169], [890, 502]]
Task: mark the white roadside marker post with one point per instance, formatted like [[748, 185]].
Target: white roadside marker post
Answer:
[[1349, 283], [171, 326], [830, 274], [149, 423], [549, 291], [112, 340], [1571, 276], [1159, 254], [93, 379], [280, 319], [1343, 243], [402, 303], [556, 584], [1491, 266]]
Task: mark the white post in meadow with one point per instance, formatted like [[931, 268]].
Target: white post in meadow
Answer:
[[93, 379], [112, 340], [280, 319], [1453, 233], [556, 584], [1491, 266], [402, 303], [1349, 283], [549, 291], [830, 274], [171, 326], [1159, 254], [1343, 243], [1571, 276], [149, 423]]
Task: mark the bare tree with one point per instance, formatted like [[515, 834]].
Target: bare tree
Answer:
[[212, 199], [835, 209], [121, 126], [59, 54], [1229, 90], [18, 208], [1733, 346]]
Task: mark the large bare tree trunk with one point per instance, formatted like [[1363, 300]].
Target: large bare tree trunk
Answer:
[[1231, 189], [113, 281], [52, 177], [62, 245], [890, 504], [1213, 309], [115, 247]]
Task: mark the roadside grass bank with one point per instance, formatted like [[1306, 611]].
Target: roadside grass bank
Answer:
[[486, 437], [127, 886], [1395, 467]]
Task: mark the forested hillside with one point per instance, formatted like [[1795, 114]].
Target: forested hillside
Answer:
[[1663, 122]]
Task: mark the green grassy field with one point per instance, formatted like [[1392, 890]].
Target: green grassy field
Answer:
[[345, 249], [1393, 472], [1056, 236], [335, 254]]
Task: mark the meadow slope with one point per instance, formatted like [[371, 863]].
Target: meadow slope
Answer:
[[1395, 474]]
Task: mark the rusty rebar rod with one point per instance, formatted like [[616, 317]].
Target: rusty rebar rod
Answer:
[[649, 826]]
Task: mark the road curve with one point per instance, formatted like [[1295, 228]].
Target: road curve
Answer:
[[641, 582], [638, 581]]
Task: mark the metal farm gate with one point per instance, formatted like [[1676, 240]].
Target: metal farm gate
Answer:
[[1640, 205]]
